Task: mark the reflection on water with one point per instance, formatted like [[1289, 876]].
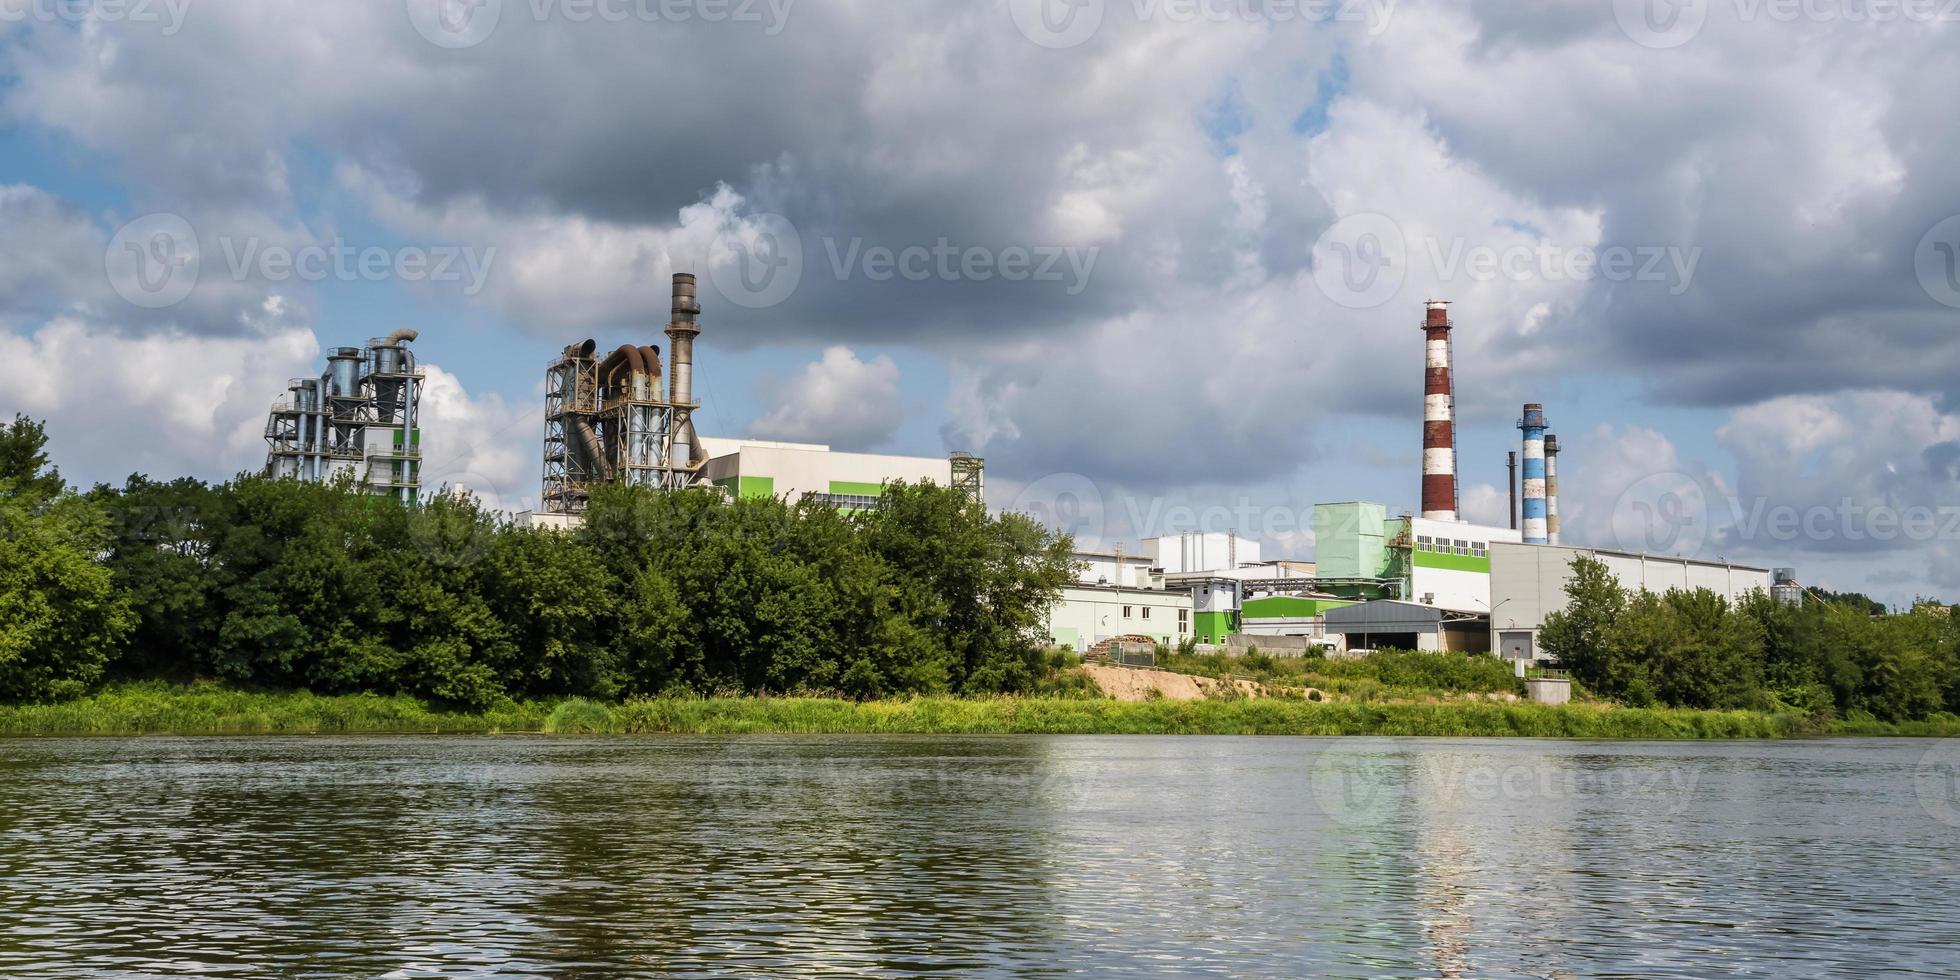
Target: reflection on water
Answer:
[[903, 856]]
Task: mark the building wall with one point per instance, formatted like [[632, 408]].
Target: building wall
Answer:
[[1132, 571], [1450, 562], [1527, 583], [1348, 539], [1196, 552], [1087, 615], [751, 468]]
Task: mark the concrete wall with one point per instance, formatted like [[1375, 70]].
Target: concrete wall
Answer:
[[1088, 615], [1527, 583], [1239, 644]]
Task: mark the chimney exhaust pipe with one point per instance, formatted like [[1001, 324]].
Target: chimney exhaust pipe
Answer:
[[1438, 418], [681, 331], [1533, 426], [1551, 489], [1511, 480]]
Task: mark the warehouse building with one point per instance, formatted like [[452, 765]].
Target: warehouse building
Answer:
[[796, 471], [1089, 614], [1527, 583], [1391, 624]]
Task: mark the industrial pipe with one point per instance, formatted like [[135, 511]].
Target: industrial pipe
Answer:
[[1533, 426], [1551, 489], [681, 331], [1438, 419]]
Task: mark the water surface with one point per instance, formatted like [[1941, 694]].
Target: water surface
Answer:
[[703, 856]]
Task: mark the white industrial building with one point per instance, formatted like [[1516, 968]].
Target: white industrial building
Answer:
[[1201, 551], [1090, 614], [1527, 583]]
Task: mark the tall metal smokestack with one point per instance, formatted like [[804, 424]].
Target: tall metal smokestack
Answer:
[[681, 331], [1511, 479], [1551, 489], [1533, 424], [1438, 418]]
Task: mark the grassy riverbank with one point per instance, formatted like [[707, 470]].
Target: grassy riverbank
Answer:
[[214, 710]]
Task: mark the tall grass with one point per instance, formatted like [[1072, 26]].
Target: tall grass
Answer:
[[1379, 675], [214, 710]]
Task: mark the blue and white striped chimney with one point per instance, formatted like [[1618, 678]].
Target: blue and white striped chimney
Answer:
[[1533, 424]]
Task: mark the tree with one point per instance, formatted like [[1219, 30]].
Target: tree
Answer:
[[61, 618], [25, 473]]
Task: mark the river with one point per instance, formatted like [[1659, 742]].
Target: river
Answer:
[[683, 856]]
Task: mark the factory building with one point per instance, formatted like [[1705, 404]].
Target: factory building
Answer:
[[358, 419], [1364, 554], [1118, 593], [1391, 624], [608, 420], [1527, 583], [798, 471]]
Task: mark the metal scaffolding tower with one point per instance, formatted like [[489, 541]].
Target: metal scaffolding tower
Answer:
[[359, 418]]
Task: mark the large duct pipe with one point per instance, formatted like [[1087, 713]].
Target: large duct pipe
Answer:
[[681, 331], [1533, 425], [400, 337], [1551, 489], [1438, 419]]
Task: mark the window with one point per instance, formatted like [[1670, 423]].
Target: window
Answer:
[[1126, 612], [1425, 543], [1479, 549], [1184, 620], [846, 501], [1146, 612], [1462, 548]]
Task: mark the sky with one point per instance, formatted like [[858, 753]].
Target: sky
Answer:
[[1162, 262]]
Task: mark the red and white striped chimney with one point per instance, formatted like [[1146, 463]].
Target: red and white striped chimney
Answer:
[[1438, 419]]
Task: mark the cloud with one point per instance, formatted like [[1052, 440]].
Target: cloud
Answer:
[[838, 400], [163, 404]]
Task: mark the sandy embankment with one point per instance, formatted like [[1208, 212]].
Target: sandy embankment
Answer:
[[1135, 684]]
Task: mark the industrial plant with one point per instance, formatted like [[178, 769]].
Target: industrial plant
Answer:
[[1426, 580], [607, 420], [357, 419]]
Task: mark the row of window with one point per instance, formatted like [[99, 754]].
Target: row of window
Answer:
[[845, 501], [1183, 617], [1448, 546]]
